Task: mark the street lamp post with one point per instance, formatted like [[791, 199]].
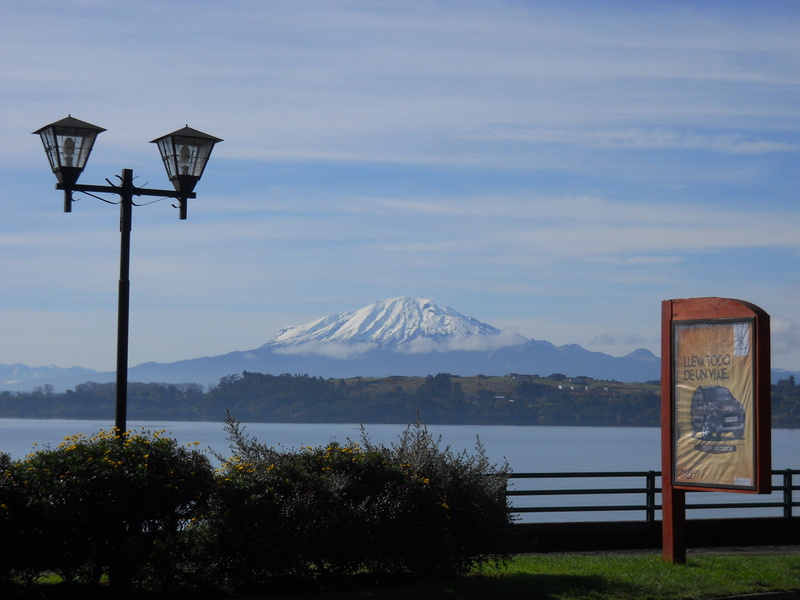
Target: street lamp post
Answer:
[[68, 144]]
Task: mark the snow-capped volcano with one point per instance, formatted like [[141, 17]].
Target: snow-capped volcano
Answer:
[[398, 336], [390, 322]]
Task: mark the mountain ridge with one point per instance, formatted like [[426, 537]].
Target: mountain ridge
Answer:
[[395, 336]]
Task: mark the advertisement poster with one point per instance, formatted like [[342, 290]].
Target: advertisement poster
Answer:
[[714, 404]]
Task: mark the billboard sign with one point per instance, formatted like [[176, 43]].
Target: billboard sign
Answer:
[[719, 396], [714, 404]]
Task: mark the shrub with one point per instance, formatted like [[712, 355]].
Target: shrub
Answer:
[[16, 526], [458, 519], [412, 508], [154, 515], [108, 504], [293, 514]]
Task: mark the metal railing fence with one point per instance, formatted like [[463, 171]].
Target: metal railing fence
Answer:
[[649, 489]]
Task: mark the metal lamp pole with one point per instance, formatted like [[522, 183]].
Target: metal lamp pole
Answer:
[[123, 300], [185, 153]]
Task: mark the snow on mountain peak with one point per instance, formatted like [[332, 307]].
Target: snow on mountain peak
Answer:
[[388, 322]]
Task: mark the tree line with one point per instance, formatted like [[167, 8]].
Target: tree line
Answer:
[[440, 398]]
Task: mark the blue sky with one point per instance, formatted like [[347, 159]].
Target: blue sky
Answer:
[[555, 167]]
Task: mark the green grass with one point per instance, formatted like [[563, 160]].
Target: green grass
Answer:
[[599, 577], [569, 577]]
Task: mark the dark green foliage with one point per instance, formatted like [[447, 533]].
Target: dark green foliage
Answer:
[[412, 508], [464, 520], [786, 404], [154, 516], [438, 398], [105, 504]]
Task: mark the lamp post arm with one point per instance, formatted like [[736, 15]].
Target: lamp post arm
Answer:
[[134, 191], [125, 189]]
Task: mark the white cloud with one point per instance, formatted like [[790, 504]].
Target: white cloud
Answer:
[[785, 336], [329, 349], [399, 81], [576, 160], [615, 340], [507, 337], [642, 138]]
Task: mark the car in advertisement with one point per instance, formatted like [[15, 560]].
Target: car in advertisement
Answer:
[[715, 411]]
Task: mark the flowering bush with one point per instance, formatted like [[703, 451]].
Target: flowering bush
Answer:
[[298, 514], [458, 519], [155, 515], [355, 507], [107, 504]]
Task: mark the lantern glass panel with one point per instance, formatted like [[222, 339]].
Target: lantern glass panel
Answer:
[[68, 143], [186, 156], [72, 146], [185, 153]]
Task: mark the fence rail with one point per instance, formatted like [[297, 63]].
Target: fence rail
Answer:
[[650, 492]]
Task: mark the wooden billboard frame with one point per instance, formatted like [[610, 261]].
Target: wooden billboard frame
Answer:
[[709, 311]]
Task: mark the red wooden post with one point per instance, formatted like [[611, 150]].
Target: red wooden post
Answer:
[[700, 333], [673, 502]]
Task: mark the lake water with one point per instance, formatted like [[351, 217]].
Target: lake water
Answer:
[[526, 448]]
